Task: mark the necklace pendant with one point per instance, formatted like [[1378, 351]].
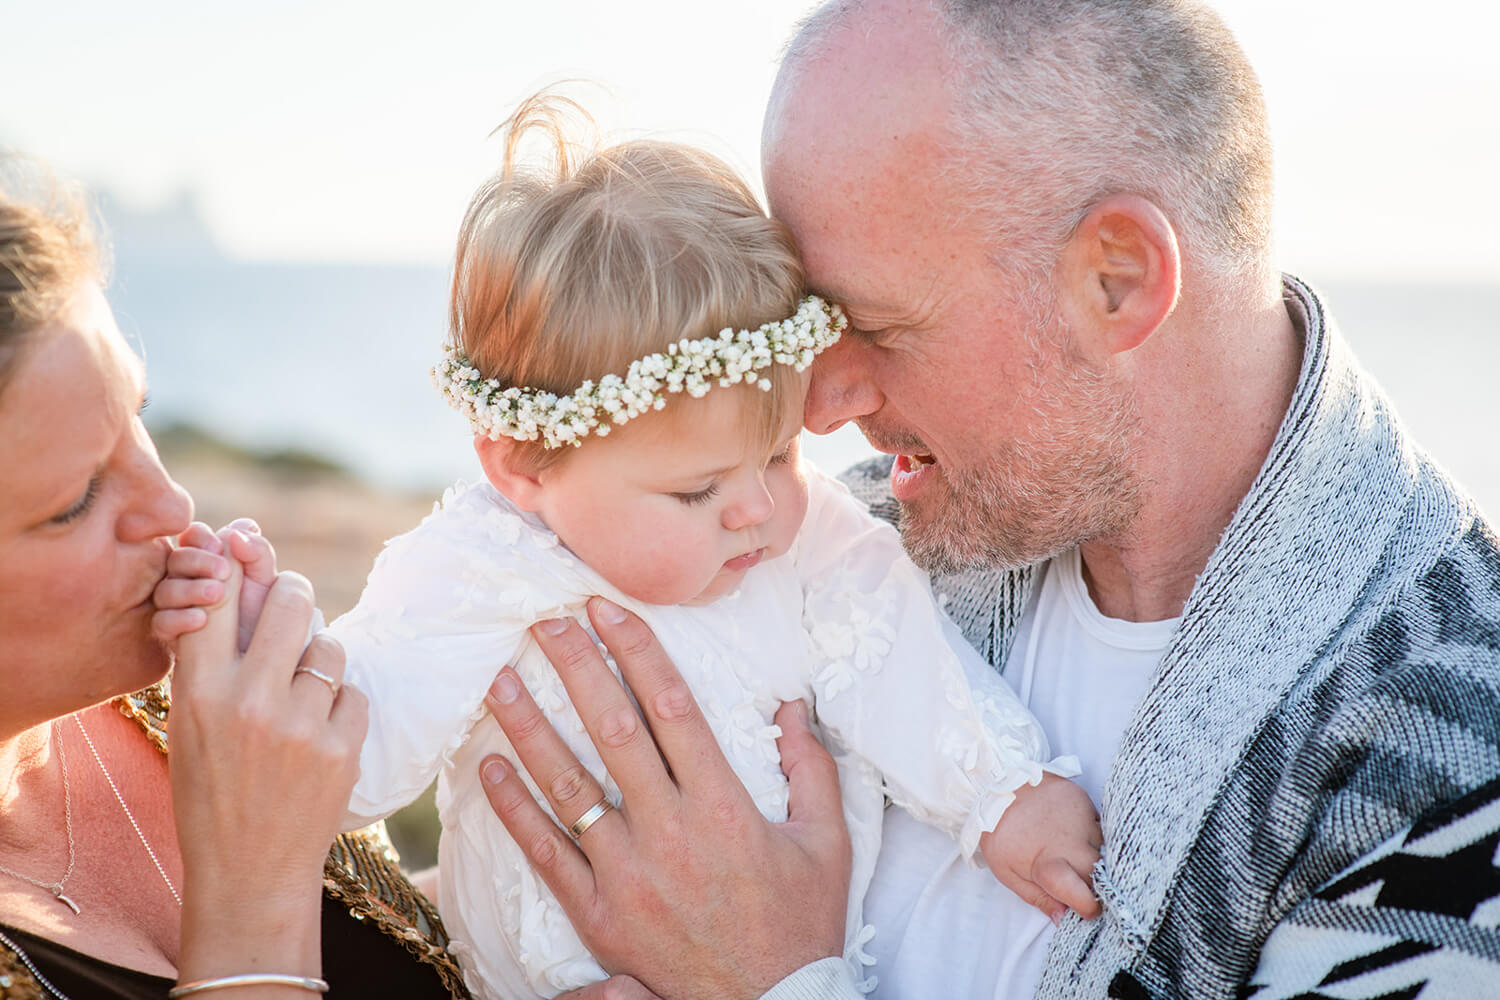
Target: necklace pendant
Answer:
[[64, 900]]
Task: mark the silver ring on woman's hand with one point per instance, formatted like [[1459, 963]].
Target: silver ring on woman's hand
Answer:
[[333, 685], [589, 818]]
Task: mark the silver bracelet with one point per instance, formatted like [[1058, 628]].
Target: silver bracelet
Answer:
[[249, 979]]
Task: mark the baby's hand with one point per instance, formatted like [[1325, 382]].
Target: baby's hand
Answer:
[[196, 571], [1045, 846]]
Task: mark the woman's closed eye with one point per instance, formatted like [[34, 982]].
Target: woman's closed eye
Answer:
[[81, 507], [699, 496]]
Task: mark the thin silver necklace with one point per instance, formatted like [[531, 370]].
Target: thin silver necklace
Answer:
[[128, 815], [56, 888]]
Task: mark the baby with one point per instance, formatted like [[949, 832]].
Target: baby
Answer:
[[629, 343]]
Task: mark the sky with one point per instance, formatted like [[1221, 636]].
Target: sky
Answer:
[[318, 130]]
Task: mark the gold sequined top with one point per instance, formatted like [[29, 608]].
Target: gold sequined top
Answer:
[[361, 873]]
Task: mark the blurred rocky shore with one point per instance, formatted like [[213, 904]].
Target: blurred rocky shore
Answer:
[[325, 523]]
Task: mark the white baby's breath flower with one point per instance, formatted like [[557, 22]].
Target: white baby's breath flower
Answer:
[[693, 366]]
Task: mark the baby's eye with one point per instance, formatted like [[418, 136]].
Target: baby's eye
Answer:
[[784, 456], [700, 497]]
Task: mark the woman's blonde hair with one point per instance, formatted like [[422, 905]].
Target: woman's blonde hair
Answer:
[[47, 249], [572, 270]]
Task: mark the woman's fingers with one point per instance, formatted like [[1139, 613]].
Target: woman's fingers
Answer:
[[622, 739], [320, 674], [282, 632], [212, 650], [551, 853]]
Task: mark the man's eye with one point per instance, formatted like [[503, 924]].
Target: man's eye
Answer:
[[876, 337], [700, 497]]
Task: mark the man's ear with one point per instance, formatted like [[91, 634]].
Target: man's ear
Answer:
[[1120, 274], [507, 472]]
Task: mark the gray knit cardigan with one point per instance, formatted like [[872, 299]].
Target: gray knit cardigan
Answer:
[[1306, 802]]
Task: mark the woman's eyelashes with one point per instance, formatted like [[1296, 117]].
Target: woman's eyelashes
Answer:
[[80, 508]]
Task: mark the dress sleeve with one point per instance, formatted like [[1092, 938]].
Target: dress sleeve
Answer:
[[446, 606], [896, 683]]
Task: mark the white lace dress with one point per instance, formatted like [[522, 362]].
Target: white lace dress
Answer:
[[844, 620]]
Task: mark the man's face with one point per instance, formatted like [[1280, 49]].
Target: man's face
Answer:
[[1011, 446]]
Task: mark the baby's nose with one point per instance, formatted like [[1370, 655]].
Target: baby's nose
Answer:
[[753, 507]]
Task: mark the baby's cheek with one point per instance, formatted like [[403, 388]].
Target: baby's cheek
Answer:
[[791, 510]]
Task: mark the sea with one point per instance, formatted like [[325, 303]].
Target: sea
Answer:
[[334, 359]]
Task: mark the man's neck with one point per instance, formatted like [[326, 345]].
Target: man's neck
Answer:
[[1211, 408]]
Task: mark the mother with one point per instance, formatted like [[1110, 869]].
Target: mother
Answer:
[[120, 875]]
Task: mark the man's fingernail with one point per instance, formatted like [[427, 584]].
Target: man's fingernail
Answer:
[[494, 771], [553, 626], [609, 612], [505, 689]]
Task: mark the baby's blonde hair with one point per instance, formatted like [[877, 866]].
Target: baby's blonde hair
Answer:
[[572, 271]]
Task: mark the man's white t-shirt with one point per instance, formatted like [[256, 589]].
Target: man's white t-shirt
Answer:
[[945, 929]]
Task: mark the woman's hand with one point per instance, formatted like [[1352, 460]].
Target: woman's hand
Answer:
[[264, 753], [686, 886]]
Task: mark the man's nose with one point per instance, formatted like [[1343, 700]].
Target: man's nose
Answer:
[[841, 389]]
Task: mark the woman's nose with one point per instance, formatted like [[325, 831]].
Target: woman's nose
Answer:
[[841, 389], [159, 506]]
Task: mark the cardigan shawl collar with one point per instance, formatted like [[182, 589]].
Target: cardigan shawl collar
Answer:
[[1309, 548]]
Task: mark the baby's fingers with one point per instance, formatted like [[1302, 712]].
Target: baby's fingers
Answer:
[[197, 563], [1066, 885], [199, 536], [180, 592], [169, 626], [253, 552]]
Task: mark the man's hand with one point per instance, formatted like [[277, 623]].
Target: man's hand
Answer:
[[613, 988], [686, 886]]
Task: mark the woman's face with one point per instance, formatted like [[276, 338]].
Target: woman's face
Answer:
[[86, 517]]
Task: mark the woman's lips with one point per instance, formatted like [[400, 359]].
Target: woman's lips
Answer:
[[745, 561], [908, 473]]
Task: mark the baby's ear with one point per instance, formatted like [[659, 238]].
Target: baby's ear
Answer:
[[506, 468]]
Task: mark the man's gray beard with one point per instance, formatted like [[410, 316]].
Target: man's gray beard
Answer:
[[1075, 482]]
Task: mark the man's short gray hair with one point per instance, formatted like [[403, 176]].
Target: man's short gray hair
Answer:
[[1062, 103]]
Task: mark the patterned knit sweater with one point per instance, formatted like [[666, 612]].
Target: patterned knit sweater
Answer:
[[1307, 800]]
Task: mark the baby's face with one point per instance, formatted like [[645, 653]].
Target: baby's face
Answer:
[[676, 507]]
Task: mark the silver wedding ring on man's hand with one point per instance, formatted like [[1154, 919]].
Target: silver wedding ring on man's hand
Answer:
[[589, 818], [333, 685]]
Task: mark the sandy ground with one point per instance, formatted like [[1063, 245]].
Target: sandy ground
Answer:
[[325, 525]]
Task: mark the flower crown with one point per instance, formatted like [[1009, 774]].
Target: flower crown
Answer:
[[690, 366]]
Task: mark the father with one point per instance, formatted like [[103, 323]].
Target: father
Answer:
[[1159, 493]]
